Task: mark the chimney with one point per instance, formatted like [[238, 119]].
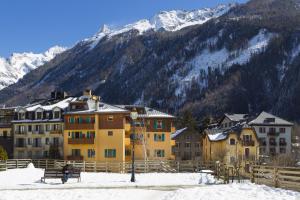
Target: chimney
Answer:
[[97, 102], [87, 92]]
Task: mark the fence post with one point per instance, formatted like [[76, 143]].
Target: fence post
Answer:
[[17, 164], [276, 177], [252, 174], [178, 166]]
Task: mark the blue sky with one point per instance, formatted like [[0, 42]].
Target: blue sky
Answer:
[[36, 25]]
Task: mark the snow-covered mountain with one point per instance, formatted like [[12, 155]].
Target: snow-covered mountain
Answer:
[[173, 20], [18, 64]]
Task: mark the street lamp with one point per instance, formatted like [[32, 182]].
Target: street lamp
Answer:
[[134, 116]]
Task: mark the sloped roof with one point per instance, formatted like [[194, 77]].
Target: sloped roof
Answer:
[[178, 132], [107, 108], [264, 119], [236, 117], [63, 104], [149, 112], [218, 136]]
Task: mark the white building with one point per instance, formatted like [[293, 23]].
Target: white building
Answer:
[[274, 134]]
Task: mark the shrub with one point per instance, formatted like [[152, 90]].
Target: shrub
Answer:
[[3, 154]]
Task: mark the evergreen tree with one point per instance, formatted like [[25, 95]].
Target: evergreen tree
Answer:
[[3, 154]]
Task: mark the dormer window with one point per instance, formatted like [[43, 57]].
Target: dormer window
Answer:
[[39, 115], [21, 115], [56, 114]]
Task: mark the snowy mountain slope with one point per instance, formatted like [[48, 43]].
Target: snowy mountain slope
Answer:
[[173, 20], [15, 67]]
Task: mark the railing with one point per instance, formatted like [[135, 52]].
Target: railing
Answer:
[[273, 143], [20, 132], [272, 133], [248, 142], [81, 141], [56, 132], [283, 177], [141, 166]]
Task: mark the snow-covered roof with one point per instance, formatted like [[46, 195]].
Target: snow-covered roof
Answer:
[[236, 117], [265, 118], [61, 104], [218, 136], [149, 112], [178, 132], [107, 108]]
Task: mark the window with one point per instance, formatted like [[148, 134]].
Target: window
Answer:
[[282, 142], [110, 153], [159, 137], [110, 133], [29, 141], [197, 145], [177, 144], [272, 130], [56, 141], [262, 150], [282, 130], [187, 145], [71, 120], [56, 114], [76, 152], [247, 138], [29, 128], [273, 151], [91, 153], [262, 129], [56, 127], [159, 153], [47, 141], [38, 115], [48, 127], [37, 127], [232, 141], [45, 154], [90, 134], [4, 134], [110, 118], [188, 137], [88, 120], [47, 115], [158, 124]]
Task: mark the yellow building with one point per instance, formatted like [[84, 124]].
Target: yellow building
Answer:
[[236, 145], [95, 131]]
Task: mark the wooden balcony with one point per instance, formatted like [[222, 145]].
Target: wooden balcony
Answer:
[[74, 157], [59, 132], [248, 143], [81, 140], [82, 126]]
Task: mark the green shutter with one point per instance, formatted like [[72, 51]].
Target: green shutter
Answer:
[[105, 153], [155, 124], [162, 153], [80, 120], [163, 137], [80, 134], [73, 135], [114, 153], [162, 124]]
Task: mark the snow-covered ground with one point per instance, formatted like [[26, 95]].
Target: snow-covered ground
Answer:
[[25, 184]]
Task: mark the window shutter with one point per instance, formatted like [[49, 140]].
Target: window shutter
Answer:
[[114, 153], [163, 137], [80, 134], [162, 153], [162, 124], [155, 124], [73, 135], [155, 137], [105, 153]]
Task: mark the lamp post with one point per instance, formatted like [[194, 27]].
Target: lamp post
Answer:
[[133, 116]]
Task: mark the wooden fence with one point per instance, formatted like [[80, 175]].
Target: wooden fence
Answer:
[[282, 177], [120, 167]]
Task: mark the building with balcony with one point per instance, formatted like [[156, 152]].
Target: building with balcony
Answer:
[[237, 145], [6, 136], [274, 134], [98, 131], [38, 129], [188, 144]]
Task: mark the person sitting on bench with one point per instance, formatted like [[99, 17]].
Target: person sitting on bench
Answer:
[[67, 171]]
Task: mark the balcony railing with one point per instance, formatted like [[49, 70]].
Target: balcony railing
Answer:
[[20, 145], [75, 157], [81, 141], [282, 143], [22, 132], [273, 143], [273, 133], [56, 132], [248, 143]]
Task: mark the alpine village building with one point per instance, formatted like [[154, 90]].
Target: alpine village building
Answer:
[[6, 135], [95, 131], [240, 139]]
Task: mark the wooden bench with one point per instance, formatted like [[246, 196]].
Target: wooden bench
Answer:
[[57, 174]]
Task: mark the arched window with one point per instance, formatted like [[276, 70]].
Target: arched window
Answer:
[[232, 141]]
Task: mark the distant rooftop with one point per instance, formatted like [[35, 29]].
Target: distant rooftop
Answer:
[[265, 118]]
